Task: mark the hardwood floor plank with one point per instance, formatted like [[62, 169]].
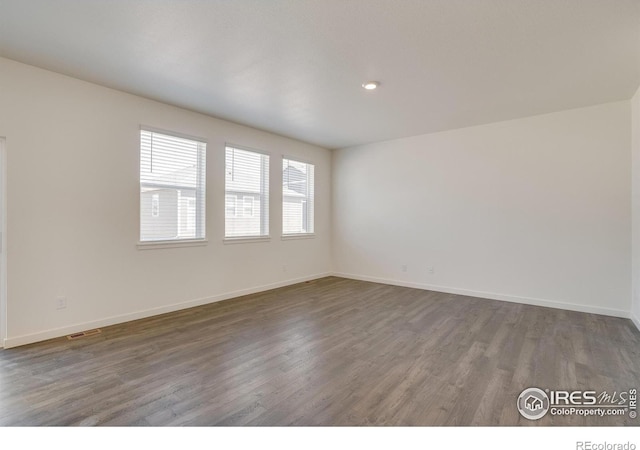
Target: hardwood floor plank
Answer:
[[328, 352]]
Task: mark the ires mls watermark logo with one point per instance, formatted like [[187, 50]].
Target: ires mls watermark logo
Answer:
[[534, 403]]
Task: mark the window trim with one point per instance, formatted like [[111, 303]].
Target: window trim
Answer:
[[246, 239], [247, 149], [176, 243], [294, 236], [300, 160], [305, 235], [173, 133]]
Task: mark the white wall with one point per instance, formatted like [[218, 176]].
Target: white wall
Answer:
[[635, 149], [535, 210], [73, 209]]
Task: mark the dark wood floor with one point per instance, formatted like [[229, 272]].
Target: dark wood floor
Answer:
[[328, 352]]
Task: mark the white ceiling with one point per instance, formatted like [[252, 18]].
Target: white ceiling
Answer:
[[295, 67]]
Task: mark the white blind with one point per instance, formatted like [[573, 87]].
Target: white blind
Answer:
[[246, 193], [297, 197], [172, 187]]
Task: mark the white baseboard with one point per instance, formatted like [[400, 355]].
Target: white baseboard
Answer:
[[63, 331], [493, 296], [636, 320]]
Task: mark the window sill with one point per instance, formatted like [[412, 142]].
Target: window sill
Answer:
[[246, 239], [153, 245], [290, 237]]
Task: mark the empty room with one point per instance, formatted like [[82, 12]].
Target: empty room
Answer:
[[319, 213]]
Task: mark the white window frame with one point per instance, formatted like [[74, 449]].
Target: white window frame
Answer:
[[307, 199], [265, 201], [200, 196]]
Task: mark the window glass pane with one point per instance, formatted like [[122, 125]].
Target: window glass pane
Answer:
[[172, 187], [247, 181], [297, 197]]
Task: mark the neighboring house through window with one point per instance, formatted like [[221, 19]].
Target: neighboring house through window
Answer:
[[248, 206], [230, 204]]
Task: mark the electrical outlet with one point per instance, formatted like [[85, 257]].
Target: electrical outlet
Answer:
[[431, 270], [403, 267], [61, 302], [284, 267]]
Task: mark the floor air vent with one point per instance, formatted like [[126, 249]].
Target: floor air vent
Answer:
[[84, 334]]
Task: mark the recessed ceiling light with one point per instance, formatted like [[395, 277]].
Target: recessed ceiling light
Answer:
[[370, 85]]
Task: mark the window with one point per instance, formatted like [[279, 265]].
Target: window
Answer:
[[297, 197], [247, 178], [172, 187]]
